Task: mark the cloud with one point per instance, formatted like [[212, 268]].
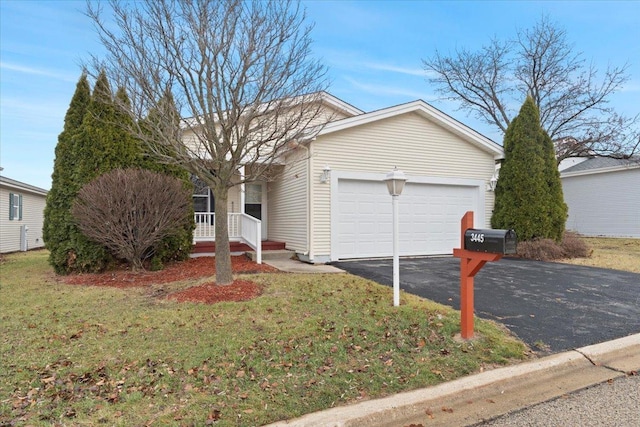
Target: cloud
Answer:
[[631, 86], [396, 69], [37, 71], [387, 90], [351, 60]]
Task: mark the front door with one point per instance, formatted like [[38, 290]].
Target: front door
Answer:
[[255, 204]]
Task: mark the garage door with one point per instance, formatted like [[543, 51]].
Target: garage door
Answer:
[[429, 218]]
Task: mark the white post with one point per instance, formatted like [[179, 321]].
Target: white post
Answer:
[[242, 189], [395, 184], [396, 255]]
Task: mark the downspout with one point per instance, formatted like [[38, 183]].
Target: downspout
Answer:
[[309, 240], [309, 202]]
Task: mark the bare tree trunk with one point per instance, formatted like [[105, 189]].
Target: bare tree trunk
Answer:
[[224, 272]]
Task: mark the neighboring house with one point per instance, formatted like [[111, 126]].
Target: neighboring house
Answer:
[[21, 215], [331, 203], [603, 196]]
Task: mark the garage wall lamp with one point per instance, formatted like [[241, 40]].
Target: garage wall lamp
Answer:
[[493, 181], [326, 175]]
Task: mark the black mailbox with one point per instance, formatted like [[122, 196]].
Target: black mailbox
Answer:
[[492, 241]]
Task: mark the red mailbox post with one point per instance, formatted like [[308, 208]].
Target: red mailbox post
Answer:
[[471, 261]]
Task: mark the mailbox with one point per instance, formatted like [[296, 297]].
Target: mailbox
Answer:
[[491, 241]]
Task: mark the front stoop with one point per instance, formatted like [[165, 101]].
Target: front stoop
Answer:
[[210, 247], [272, 254]]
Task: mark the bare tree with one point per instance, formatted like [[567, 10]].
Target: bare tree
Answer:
[[573, 101], [240, 70], [130, 211]]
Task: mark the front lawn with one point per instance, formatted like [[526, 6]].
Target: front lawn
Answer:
[[615, 253], [99, 355]]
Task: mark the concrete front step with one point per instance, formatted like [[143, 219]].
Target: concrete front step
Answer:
[[272, 254], [210, 247]]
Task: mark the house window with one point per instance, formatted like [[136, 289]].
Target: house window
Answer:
[[202, 196], [15, 207], [253, 200]]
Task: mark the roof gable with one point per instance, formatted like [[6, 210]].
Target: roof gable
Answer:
[[340, 105], [428, 112]]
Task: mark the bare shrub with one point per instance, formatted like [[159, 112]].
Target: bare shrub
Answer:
[[130, 211], [548, 249], [540, 249], [575, 247]]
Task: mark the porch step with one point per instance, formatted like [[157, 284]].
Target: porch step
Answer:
[[210, 247], [272, 254]]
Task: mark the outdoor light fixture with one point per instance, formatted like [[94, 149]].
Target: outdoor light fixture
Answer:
[[326, 174], [395, 184], [493, 181]]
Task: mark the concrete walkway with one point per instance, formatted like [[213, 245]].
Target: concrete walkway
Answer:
[[283, 260], [484, 396]]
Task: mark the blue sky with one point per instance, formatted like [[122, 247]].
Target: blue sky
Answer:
[[374, 50]]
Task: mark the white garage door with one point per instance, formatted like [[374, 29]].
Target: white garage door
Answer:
[[429, 218]]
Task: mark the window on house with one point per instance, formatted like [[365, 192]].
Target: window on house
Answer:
[[15, 207], [253, 200], [203, 201]]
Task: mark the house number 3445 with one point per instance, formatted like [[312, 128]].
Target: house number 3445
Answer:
[[477, 237]]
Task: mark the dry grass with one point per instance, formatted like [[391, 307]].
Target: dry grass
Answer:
[[614, 253], [90, 356]]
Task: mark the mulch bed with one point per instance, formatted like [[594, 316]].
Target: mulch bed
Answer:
[[194, 268]]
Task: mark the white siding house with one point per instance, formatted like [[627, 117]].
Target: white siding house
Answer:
[[331, 203], [603, 196], [21, 215]]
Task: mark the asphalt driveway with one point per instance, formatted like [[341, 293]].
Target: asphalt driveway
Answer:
[[563, 306]]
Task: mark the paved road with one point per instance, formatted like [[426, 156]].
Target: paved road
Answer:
[[611, 404], [559, 305]]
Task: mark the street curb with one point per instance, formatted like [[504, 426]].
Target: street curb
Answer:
[[486, 395]]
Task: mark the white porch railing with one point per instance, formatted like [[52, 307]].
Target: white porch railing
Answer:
[[242, 227], [251, 234]]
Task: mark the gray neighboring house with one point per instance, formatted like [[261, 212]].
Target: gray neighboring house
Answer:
[[21, 215], [603, 196]]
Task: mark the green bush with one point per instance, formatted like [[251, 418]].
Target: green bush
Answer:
[[528, 196], [96, 140]]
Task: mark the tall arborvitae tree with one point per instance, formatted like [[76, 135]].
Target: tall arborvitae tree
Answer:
[[164, 119], [95, 154], [104, 143], [58, 223], [558, 209], [96, 140], [529, 194]]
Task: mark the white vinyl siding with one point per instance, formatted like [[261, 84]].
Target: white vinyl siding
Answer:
[[410, 142], [288, 204], [32, 217], [604, 204]]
